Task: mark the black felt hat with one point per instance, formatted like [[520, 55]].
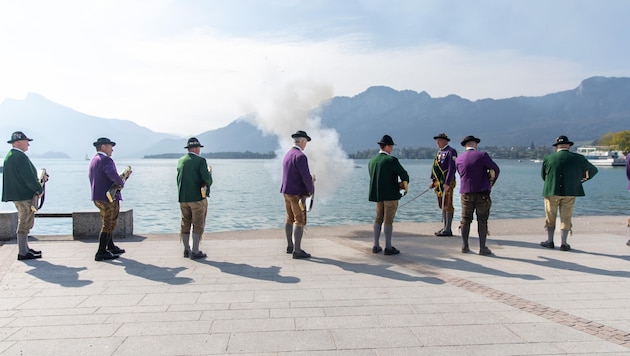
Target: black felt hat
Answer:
[[301, 133], [193, 142], [562, 140], [104, 141], [18, 136], [386, 140], [469, 138], [442, 135]]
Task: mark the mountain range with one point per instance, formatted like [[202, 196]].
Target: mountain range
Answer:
[[597, 106]]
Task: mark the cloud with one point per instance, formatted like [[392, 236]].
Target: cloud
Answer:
[[140, 61]]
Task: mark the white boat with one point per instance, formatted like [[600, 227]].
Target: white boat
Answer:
[[602, 156]]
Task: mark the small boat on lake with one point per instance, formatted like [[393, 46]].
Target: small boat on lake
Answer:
[[602, 156]]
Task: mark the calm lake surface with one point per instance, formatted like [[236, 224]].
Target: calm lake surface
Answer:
[[245, 195]]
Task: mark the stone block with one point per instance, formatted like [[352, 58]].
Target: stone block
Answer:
[[8, 225], [87, 225]]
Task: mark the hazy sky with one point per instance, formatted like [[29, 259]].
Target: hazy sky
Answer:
[[188, 66]]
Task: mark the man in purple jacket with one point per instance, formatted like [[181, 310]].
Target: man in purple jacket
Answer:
[[477, 172], [297, 184], [628, 176], [102, 175], [443, 181]]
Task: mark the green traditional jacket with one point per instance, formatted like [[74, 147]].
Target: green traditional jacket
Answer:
[[384, 173], [19, 177], [564, 171], [192, 174]]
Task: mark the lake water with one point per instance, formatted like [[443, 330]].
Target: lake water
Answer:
[[245, 195]]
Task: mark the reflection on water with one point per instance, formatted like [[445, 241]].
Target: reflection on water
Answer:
[[245, 195]]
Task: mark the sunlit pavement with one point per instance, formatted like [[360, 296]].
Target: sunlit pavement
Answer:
[[250, 297]]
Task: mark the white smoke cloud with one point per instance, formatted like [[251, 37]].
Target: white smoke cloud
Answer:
[[293, 107]]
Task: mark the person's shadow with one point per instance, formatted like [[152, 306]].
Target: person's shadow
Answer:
[[152, 272], [375, 270], [460, 264], [565, 265], [271, 273], [62, 275]]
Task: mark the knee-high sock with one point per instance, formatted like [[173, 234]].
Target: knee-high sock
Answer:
[[186, 241], [482, 229], [298, 231], [448, 220], [564, 234], [465, 231], [102, 242], [196, 239], [110, 240], [550, 231], [482, 240], [388, 230], [22, 239], [377, 234], [288, 231]]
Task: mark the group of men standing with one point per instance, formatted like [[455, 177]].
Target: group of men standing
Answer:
[[478, 172], [22, 186], [563, 173]]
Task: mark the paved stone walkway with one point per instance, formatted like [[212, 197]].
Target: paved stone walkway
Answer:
[[249, 297]]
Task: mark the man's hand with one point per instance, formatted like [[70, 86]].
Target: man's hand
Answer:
[[405, 186]]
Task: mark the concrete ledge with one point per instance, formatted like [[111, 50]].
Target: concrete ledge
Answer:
[[8, 225], [87, 225]]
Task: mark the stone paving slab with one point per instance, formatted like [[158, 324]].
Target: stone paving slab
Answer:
[[249, 297]]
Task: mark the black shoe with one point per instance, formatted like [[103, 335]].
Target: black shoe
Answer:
[[391, 251], [628, 243], [377, 249], [290, 249], [186, 253], [444, 233], [301, 254], [547, 244], [28, 256], [197, 255], [35, 252], [566, 247], [485, 251], [116, 250], [102, 256], [465, 249]]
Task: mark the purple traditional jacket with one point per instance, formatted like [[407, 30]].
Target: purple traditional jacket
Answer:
[[102, 175], [473, 167], [628, 169], [296, 177]]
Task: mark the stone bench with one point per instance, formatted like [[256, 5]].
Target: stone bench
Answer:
[[85, 225], [8, 225]]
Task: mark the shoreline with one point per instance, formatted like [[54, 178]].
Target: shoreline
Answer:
[[616, 225]]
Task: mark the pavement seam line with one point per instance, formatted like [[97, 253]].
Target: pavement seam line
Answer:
[[604, 332]]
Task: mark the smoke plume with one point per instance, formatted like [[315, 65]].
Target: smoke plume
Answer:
[[294, 107]]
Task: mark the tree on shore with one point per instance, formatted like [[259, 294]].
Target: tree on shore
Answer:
[[619, 140]]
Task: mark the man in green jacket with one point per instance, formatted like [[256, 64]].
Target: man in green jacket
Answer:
[[194, 178], [19, 185], [563, 172], [385, 172]]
